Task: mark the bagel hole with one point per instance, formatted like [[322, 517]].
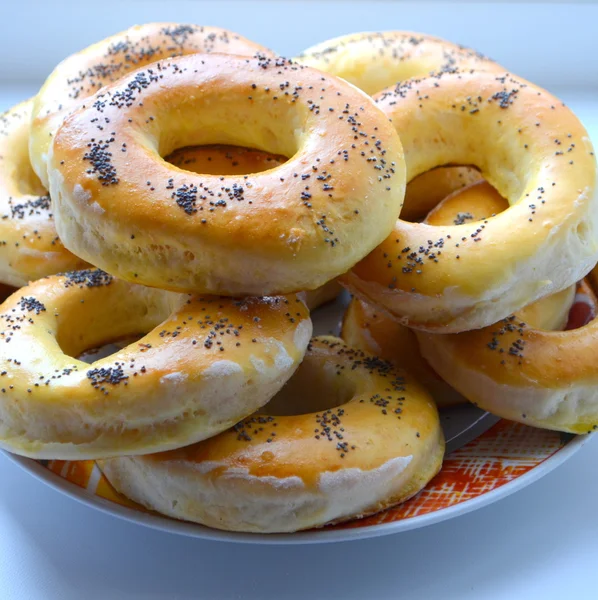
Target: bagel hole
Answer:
[[94, 325], [314, 387], [6, 291], [219, 159], [451, 195], [585, 305], [107, 328], [103, 351]]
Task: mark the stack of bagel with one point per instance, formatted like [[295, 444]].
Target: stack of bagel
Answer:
[[191, 196]]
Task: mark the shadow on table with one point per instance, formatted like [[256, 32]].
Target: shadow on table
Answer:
[[80, 549]]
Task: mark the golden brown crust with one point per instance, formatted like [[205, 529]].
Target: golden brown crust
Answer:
[[293, 227], [84, 73], [514, 353], [378, 443], [205, 363], [29, 244], [536, 153]]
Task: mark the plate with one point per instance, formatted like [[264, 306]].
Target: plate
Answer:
[[504, 459], [487, 459]]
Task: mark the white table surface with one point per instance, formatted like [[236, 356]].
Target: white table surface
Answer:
[[541, 542]]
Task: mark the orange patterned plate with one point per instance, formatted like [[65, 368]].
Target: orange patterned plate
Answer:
[[502, 460]]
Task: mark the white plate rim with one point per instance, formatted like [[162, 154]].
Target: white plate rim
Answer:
[[187, 529]]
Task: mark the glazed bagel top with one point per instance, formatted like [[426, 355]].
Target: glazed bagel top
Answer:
[[538, 156], [84, 73], [293, 227], [364, 388], [374, 61], [204, 364], [29, 244], [372, 440]]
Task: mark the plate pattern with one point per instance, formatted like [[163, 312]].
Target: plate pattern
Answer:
[[497, 457]]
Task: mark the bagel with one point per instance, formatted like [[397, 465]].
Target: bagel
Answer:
[[348, 436], [205, 364], [29, 245], [370, 329], [374, 61], [234, 160], [290, 228], [546, 379], [84, 73], [538, 156]]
